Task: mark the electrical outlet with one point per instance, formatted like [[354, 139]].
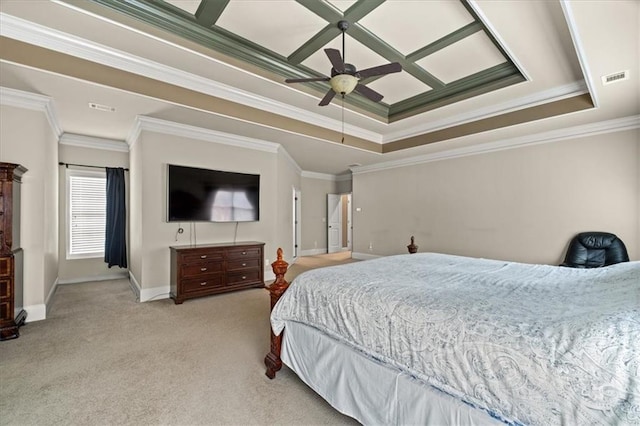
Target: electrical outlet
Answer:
[[370, 246], [267, 261]]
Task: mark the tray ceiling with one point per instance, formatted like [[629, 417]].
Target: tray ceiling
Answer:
[[447, 53], [219, 66]]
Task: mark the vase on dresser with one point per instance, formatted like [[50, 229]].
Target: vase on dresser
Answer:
[[12, 314]]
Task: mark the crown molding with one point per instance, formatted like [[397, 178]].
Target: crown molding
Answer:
[[591, 129], [546, 96], [496, 34], [48, 38], [326, 176], [93, 142], [580, 53], [143, 123], [32, 101]]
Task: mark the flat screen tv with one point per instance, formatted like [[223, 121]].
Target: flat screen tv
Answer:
[[202, 195]]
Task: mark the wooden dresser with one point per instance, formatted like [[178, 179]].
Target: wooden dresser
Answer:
[[204, 270], [12, 316]]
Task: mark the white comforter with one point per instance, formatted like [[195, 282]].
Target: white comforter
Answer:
[[529, 344]]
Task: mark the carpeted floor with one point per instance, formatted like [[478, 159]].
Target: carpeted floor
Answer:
[[100, 358]]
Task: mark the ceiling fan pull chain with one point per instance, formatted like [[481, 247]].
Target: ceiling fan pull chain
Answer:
[[342, 141]]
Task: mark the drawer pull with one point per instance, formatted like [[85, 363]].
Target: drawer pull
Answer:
[[244, 277], [203, 269], [204, 256], [244, 264], [203, 283], [244, 252]]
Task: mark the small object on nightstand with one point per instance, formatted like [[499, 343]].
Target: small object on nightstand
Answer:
[[412, 247]]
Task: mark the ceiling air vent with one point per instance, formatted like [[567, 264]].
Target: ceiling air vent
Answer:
[[99, 107], [615, 77]]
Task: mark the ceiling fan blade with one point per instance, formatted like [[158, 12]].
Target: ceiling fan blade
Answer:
[[369, 93], [303, 80], [380, 70], [336, 60], [327, 98]]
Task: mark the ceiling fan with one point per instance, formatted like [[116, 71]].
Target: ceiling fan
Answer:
[[345, 77]]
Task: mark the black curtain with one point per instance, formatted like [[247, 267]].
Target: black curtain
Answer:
[[115, 247]]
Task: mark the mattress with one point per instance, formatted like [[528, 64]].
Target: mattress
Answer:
[[525, 344]]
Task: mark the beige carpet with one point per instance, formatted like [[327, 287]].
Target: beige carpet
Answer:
[[100, 358]]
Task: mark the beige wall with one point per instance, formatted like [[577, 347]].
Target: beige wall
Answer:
[[343, 186], [77, 270], [314, 213], [288, 180], [153, 235], [521, 204], [26, 138], [136, 203]]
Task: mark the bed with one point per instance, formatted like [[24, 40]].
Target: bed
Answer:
[[431, 338]]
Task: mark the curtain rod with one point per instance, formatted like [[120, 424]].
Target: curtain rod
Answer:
[[84, 165]]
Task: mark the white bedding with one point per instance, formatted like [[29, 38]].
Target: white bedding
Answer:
[[529, 344]]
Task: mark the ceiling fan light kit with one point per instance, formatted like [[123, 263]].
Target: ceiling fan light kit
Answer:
[[343, 84], [345, 78]]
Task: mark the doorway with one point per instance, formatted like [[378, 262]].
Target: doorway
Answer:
[[339, 226]]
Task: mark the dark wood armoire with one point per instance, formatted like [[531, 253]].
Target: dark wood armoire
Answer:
[[12, 314]]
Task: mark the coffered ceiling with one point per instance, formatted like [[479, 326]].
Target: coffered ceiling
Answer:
[[446, 52], [473, 71]]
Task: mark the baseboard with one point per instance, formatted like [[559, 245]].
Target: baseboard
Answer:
[[117, 276], [155, 293], [49, 299], [313, 252], [35, 312], [135, 286], [147, 294], [364, 256]]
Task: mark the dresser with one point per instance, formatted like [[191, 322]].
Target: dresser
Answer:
[[204, 270], [12, 314]]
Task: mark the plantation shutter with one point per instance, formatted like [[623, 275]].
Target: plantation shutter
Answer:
[[87, 214]]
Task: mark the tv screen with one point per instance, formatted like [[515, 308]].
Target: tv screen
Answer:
[[202, 195]]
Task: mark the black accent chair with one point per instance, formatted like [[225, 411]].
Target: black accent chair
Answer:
[[594, 250]]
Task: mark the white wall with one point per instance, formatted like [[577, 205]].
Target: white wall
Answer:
[[26, 138], [521, 204], [152, 235]]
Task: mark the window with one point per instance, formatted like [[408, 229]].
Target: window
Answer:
[[87, 213]]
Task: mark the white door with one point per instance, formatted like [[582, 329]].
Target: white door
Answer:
[[334, 223], [349, 224]]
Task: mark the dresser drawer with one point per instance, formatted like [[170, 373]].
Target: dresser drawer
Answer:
[[5, 288], [202, 283], [233, 265], [247, 253], [215, 256], [250, 275], [5, 311], [5, 267], [198, 269]]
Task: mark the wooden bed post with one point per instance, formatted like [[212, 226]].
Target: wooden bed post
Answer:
[[279, 286]]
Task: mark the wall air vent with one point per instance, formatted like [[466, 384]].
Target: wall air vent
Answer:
[[615, 77], [99, 107]]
